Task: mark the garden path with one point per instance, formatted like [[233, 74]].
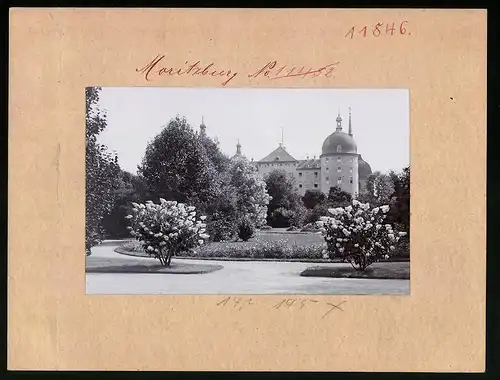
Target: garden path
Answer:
[[237, 277]]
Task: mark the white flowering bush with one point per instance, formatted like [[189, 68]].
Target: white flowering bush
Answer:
[[358, 234], [166, 229]]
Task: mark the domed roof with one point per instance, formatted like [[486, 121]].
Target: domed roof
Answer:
[[339, 142], [364, 168]]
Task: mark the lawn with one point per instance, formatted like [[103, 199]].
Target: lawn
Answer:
[[399, 271]]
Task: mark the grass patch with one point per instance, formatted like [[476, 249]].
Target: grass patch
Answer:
[[385, 270], [127, 265]]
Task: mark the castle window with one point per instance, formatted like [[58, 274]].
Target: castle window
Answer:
[[315, 185], [350, 180], [300, 174], [339, 158], [300, 185], [339, 169], [339, 148], [339, 180], [326, 159], [327, 169], [277, 158], [327, 179], [315, 174]]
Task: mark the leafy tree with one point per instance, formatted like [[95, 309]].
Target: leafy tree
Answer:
[[222, 222], [250, 189], [338, 197], [246, 228], [321, 209], [212, 148], [380, 188], [285, 207], [177, 166], [400, 203], [241, 197], [130, 189], [101, 171], [312, 198]]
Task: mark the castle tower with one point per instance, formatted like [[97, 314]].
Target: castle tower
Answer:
[[203, 128], [238, 148], [350, 125], [339, 161]]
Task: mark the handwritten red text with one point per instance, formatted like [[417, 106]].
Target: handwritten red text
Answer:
[[272, 70], [156, 68], [379, 29]]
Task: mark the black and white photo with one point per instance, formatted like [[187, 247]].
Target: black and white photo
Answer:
[[247, 191]]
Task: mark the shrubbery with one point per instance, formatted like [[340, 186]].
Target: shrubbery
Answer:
[[256, 248], [246, 229], [277, 249], [359, 235], [166, 229], [285, 208]]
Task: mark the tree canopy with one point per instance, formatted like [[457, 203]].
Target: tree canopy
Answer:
[[101, 172], [285, 207], [179, 165]]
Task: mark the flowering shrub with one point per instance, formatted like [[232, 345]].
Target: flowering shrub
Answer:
[[358, 234], [246, 228], [166, 229]]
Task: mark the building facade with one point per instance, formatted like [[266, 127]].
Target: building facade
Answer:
[[339, 164]]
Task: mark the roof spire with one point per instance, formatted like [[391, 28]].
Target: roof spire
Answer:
[[339, 123], [238, 147], [202, 127], [350, 125]]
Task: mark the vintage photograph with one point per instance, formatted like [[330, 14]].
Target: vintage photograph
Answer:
[[247, 191]]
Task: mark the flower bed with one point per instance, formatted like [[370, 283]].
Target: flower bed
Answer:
[[254, 249]]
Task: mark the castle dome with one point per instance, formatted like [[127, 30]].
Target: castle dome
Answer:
[[339, 142], [364, 169]]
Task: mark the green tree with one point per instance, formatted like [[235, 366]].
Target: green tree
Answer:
[[177, 166], [250, 188], [285, 207], [212, 148], [399, 213], [130, 189], [337, 197], [379, 188], [312, 198], [101, 172]]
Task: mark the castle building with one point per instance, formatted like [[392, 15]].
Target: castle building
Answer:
[[339, 164]]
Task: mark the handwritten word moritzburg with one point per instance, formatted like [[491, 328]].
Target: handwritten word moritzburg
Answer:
[[156, 68], [271, 71]]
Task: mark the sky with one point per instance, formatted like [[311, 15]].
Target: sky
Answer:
[[257, 117]]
